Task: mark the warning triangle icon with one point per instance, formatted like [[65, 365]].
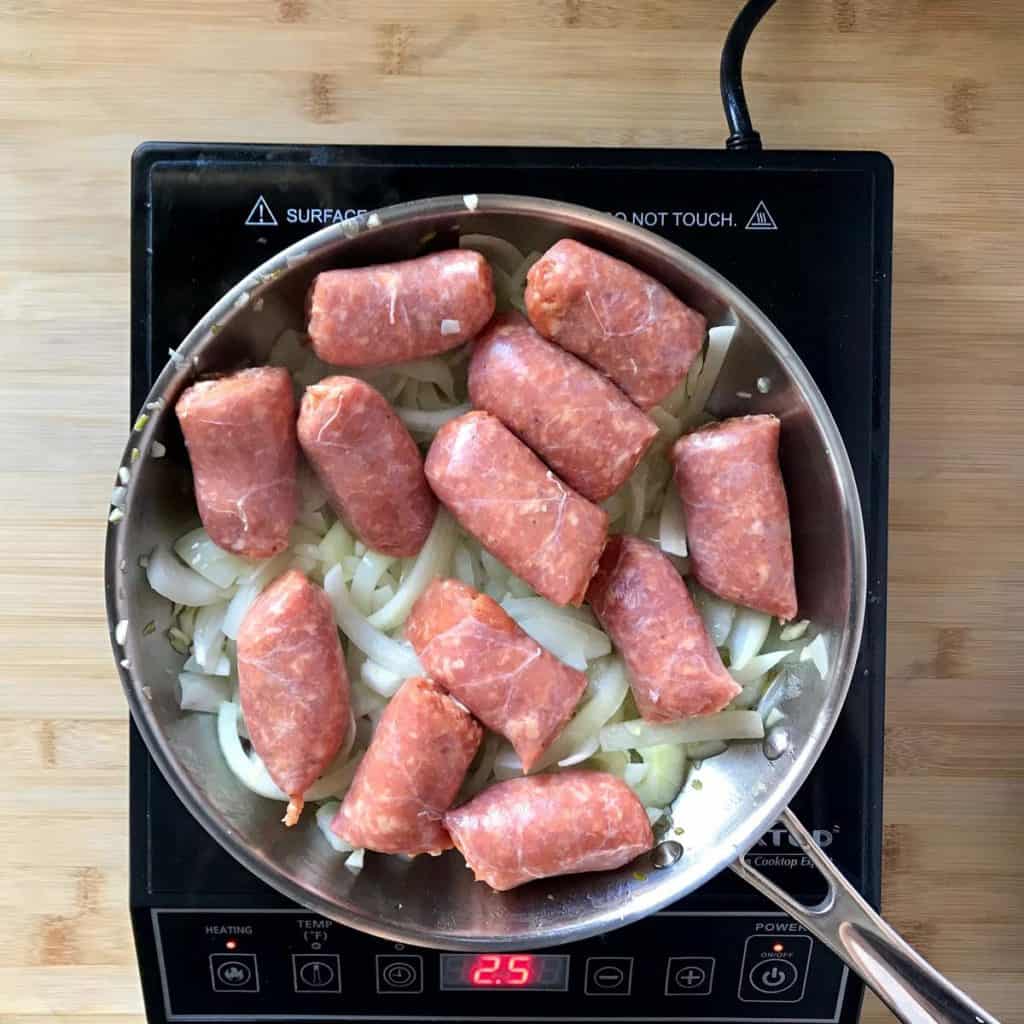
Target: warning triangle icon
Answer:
[[261, 215], [761, 219]]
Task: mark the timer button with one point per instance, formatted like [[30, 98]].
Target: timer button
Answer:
[[608, 976], [399, 974]]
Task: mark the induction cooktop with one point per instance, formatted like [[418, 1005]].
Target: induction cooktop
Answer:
[[807, 235]]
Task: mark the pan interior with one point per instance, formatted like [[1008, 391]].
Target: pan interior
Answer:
[[434, 901]]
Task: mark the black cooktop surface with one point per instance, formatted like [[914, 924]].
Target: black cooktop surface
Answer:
[[808, 237]]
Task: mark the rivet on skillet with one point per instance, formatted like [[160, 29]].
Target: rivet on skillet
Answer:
[[776, 743], [664, 855]]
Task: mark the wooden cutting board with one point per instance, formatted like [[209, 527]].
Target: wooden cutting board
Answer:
[[938, 86]]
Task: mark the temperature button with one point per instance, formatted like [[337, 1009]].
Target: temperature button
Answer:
[[689, 975], [316, 972], [401, 973], [608, 976], [775, 968]]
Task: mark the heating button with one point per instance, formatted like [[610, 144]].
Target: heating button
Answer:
[[775, 968], [234, 972]]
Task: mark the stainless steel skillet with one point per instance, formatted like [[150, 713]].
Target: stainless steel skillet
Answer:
[[434, 902]]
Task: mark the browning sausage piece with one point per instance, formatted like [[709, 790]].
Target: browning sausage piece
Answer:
[[476, 651], [240, 435], [545, 825], [368, 464], [642, 602], [411, 773], [372, 316], [575, 419], [293, 684], [516, 507], [614, 317], [737, 516]]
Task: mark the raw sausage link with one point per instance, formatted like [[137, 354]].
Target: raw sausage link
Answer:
[[411, 773], [372, 316], [293, 684], [477, 652], [545, 825], [614, 317], [737, 516], [576, 420], [240, 434], [368, 463], [642, 602], [517, 508]]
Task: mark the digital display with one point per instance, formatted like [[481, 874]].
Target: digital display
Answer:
[[470, 972]]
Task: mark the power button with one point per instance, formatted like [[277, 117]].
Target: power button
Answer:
[[775, 968]]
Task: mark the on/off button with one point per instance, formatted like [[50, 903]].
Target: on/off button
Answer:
[[775, 968]]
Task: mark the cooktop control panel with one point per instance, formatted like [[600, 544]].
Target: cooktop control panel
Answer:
[[678, 965]]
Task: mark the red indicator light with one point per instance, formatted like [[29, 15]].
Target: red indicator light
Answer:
[[492, 970], [231, 944], [778, 947]]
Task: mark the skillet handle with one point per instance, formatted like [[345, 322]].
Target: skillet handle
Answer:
[[909, 985]]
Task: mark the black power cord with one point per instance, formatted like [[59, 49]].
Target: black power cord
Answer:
[[741, 132]]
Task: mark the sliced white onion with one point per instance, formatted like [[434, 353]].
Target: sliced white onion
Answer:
[[381, 596], [371, 641], [365, 700], [758, 666], [586, 750], [634, 773], [726, 725], [463, 566], [520, 588], [434, 560], [605, 693], [325, 815], [817, 652], [636, 493], [719, 340], [199, 552], [520, 607], [379, 679], [337, 543], [794, 631], [706, 749], [773, 717], [494, 569], [749, 632], [718, 615], [665, 772], [202, 692], [354, 861], [208, 637], [497, 251], [506, 763], [655, 814], [429, 371], [428, 422], [222, 668], [238, 607], [615, 506], [480, 772], [564, 639], [175, 581], [372, 566], [672, 525]]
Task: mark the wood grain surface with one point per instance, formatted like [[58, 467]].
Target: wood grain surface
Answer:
[[938, 85]]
